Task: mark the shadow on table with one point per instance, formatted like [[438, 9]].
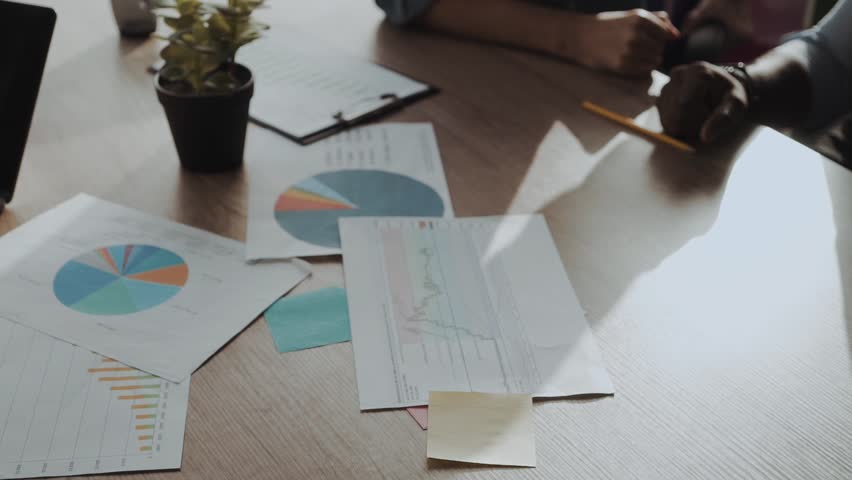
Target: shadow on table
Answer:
[[577, 399], [638, 205], [840, 191], [447, 60], [617, 205], [493, 106], [434, 464]]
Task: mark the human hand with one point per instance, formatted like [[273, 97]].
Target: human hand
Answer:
[[627, 42], [702, 101], [735, 15]]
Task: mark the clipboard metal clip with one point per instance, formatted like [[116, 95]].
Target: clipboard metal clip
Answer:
[[371, 106], [359, 112]]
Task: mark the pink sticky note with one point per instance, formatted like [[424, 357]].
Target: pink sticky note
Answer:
[[420, 415]]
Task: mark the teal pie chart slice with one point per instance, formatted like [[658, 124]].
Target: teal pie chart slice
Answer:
[[309, 210]]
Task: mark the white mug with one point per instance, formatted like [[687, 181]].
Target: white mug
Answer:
[[134, 17]]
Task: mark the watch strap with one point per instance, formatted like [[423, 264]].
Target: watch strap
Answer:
[[738, 70]]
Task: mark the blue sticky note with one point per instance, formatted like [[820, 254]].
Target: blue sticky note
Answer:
[[309, 320]]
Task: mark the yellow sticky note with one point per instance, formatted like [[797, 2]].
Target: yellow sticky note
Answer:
[[487, 428]]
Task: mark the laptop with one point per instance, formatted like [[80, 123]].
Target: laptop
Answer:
[[25, 33]]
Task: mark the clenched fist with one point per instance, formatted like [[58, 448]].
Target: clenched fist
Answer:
[[702, 101], [626, 42]]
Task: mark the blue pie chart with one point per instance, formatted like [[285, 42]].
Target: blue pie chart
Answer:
[[309, 209], [120, 279]]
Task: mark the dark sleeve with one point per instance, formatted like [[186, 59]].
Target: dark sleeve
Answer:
[[400, 12], [827, 53]]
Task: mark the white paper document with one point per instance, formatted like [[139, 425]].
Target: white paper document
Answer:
[[156, 295], [67, 411], [301, 83], [470, 305], [297, 193]]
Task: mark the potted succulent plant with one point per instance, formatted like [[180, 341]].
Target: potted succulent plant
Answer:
[[204, 92]]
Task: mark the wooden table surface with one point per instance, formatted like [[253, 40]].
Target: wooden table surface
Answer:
[[716, 284]]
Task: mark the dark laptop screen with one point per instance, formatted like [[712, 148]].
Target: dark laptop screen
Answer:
[[25, 33]]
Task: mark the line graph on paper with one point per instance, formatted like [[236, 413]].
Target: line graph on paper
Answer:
[[67, 411], [451, 316]]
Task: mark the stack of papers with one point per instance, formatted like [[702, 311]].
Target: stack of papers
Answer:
[[68, 411], [106, 311], [156, 295], [297, 194], [153, 299], [469, 305]]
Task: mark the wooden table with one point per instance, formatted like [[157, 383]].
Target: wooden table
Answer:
[[718, 284]]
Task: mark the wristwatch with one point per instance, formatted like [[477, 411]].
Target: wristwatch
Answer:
[[738, 71]]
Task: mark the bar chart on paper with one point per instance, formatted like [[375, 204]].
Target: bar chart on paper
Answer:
[[453, 327], [67, 411], [472, 304]]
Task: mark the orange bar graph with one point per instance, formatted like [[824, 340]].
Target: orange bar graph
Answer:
[[110, 369], [125, 379], [146, 448], [146, 437], [146, 416], [143, 406], [109, 360], [145, 427], [138, 396], [134, 387]]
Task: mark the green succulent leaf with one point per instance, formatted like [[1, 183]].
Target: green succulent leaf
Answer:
[[188, 7], [229, 11], [219, 24], [177, 55], [179, 23], [205, 40], [163, 4], [209, 64], [200, 34], [174, 73], [221, 82]]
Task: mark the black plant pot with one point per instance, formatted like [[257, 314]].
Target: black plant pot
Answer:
[[209, 130]]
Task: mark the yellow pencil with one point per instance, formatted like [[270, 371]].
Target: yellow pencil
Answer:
[[629, 123]]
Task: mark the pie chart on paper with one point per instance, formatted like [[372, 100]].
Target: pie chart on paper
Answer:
[[120, 279], [309, 209]]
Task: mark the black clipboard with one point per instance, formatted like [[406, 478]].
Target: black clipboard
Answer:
[[343, 121], [346, 117]]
